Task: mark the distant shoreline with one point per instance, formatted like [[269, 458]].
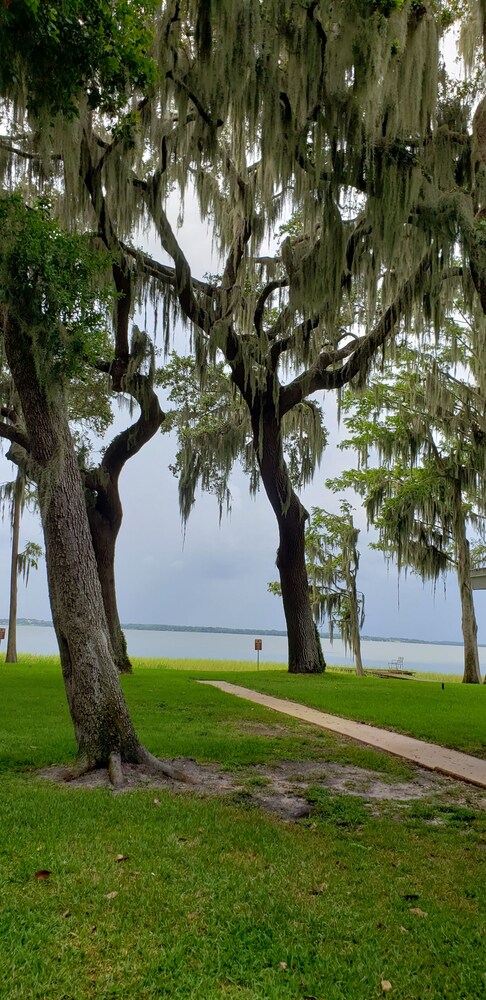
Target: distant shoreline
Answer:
[[37, 622]]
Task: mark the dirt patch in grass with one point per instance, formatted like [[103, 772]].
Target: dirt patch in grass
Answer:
[[282, 788]]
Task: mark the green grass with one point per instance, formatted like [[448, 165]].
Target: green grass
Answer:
[[215, 900], [454, 717]]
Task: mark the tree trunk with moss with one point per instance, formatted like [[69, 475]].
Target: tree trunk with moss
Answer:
[[354, 612], [104, 731], [472, 672], [100, 716], [354, 621], [305, 651]]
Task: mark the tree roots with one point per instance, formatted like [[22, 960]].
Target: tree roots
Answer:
[[156, 766], [115, 770], [144, 759], [81, 767]]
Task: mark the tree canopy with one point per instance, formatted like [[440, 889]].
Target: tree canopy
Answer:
[[419, 430], [339, 115]]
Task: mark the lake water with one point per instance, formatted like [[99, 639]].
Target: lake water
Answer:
[[223, 646]]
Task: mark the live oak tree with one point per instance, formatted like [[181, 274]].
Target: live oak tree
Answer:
[[330, 141], [328, 109], [53, 315], [213, 432], [260, 106], [56, 61], [423, 420]]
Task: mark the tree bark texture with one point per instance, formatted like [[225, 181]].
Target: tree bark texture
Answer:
[[354, 612], [11, 654], [104, 524], [102, 724], [105, 512], [304, 646], [472, 672]]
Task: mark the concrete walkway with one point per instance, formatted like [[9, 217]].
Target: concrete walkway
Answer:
[[430, 755]]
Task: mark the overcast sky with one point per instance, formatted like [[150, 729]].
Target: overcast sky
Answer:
[[217, 575]]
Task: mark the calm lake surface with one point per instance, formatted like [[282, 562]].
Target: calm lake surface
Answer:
[[221, 646]]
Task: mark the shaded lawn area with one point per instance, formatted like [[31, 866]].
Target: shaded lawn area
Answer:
[[454, 717], [211, 899]]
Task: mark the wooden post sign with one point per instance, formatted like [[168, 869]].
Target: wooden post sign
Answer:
[[2, 634], [258, 646]]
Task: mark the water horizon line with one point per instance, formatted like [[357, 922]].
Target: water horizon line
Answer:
[[224, 630]]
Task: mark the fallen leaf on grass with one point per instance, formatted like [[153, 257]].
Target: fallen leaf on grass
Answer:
[[135, 874], [122, 857], [111, 895], [316, 891], [43, 873], [191, 916], [283, 965], [386, 985], [156, 802], [67, 913], [417, 911], [404, 930]]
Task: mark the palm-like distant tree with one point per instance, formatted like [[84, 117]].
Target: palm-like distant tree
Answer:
[[15, 495]]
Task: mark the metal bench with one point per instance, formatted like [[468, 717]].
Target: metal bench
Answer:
[[396, 664]]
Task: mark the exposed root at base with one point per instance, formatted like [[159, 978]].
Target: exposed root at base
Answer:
[[115, 770], [156, 766], [83, 766]]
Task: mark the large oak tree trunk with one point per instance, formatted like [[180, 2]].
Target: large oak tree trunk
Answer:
[[11, 654], [472, 673], [305, 651], [104, 731]]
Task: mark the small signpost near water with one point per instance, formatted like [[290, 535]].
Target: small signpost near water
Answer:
[[258, 646], [2, 634]]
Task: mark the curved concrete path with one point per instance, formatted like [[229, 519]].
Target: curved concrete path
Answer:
[[430, 755]]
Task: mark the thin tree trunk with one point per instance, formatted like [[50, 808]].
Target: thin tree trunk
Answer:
[[304, 646], [11, 654], [105, 512], [354, 612], [472, 672]]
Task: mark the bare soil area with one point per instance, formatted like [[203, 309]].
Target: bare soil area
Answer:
[[282, 787]]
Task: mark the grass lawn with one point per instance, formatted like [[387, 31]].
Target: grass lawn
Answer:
[[179, 896]]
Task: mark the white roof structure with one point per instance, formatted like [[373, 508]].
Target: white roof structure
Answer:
[[478, 578]]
